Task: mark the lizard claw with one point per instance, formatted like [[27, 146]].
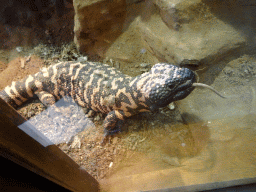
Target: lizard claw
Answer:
[[104, 140]]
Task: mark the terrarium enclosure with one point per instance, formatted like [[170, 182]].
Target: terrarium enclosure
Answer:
[[197, 143]]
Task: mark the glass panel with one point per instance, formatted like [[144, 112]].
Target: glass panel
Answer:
[[191, 138]]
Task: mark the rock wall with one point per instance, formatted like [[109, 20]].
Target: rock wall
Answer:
[[173, 30], [29, 22], [98, 23], [194, 29]]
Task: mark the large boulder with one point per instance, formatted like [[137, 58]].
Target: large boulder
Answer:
[[97, 24], [191, 29]]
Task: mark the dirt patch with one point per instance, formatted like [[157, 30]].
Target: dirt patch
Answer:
[[129, 54], [2, 66], [19, 68], [28, 28], [139, 136]]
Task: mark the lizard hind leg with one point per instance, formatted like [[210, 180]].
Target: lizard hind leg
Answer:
[[46, 98]]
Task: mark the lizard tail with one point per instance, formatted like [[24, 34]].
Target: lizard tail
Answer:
[[19, 92]]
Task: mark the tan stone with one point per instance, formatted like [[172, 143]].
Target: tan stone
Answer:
[[97, 24], [175, 30]]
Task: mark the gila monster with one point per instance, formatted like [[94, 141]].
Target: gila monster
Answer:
[[104, 89]]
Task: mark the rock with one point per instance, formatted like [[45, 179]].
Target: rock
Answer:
[[19, 49], [82, 59], [171, 106], [91, 113], [110, 165], [144, 70], [229, 71], [202, 105], [189, 30], [114, 141], [145, 65], [97, 23], [97, 118], [76, 143], [171, 160]]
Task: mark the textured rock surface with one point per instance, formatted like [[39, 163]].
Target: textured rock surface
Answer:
[[26, 23], [97, 23], [194, 29]]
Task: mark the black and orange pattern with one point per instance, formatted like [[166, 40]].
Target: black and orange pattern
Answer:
[[104, 89]]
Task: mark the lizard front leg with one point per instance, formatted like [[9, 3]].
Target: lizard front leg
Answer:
[[110, 123]]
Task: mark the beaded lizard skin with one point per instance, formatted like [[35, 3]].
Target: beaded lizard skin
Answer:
[[104, 89]]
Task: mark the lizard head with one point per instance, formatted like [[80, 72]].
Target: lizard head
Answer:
[[170, 83]]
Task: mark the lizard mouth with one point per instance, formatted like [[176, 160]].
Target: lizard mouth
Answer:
[[207, 87]]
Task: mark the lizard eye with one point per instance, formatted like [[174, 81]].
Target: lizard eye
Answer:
[[171, 86]]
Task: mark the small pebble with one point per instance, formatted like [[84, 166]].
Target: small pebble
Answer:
[[76, 143], [114, 141], [19, 49], [171, 160], [143, 70], [90, 113], [97, 118], [144, 65], [143, 50], [171, 106], [22, 63], [82, 59]]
